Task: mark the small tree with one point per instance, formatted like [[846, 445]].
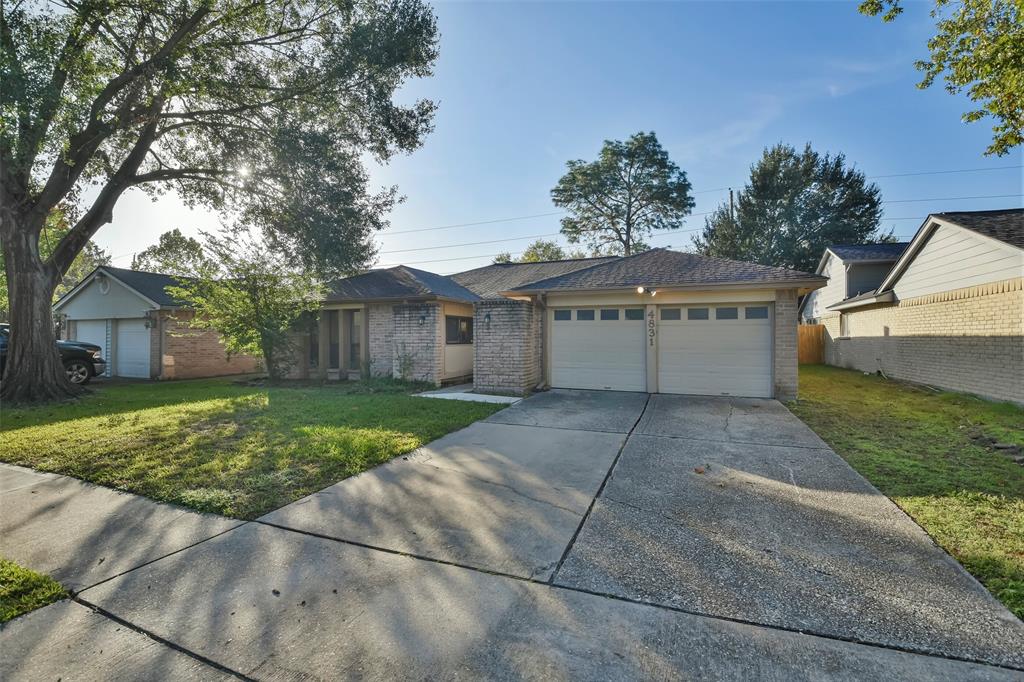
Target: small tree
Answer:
[[254, 300], [631, 190], [175, 254], [978, 46], [540, 250], [795, 205]]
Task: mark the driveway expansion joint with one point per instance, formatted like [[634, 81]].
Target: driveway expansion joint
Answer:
[[160, 640], [600, 489]]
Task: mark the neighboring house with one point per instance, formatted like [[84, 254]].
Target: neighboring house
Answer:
[[851, 270], [658, 321], [142, 330], [948, 313]]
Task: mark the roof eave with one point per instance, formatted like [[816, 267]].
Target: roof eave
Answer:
[[810, 284], [883, 297]]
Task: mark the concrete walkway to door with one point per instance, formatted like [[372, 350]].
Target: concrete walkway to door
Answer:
[[574, 535]]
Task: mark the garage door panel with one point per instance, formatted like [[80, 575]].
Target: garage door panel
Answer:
[[132, 349], [715, 357], [598, 354]]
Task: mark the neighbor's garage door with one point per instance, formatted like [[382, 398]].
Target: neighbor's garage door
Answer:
[[132, 349], [721, 349], [600, 348]]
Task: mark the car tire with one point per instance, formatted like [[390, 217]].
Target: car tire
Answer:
[[78, 372]]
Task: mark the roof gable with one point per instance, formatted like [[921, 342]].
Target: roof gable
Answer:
[[398, 283], [887, 251], [150, 286], [661, 267], [490, 280]]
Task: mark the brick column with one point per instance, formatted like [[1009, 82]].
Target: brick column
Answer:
[[785, 345], [506, 346], [418, 354]]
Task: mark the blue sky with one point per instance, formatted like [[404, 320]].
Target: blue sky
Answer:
[[523, 87]]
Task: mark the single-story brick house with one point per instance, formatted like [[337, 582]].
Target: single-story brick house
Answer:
[[658, 321], [142, 329], [948, 312]]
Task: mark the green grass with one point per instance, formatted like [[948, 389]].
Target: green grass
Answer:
[[219, 446], [22, 590], [931, 453]]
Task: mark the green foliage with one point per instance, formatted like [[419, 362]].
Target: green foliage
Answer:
[[930, 452], [227, 447], [979, 45], [175, 254], [22, 590], [90, 257], [795, 205], [632, 189], [254, 299], [540, 250], [262, 111]]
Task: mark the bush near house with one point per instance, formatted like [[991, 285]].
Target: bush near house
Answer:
[[934, 453]]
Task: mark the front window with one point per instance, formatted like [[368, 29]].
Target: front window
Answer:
[[458, 330]]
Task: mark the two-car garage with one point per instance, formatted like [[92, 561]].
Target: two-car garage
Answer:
[[699, 348]]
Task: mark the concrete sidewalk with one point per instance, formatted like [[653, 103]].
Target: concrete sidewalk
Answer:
[[568, 536]]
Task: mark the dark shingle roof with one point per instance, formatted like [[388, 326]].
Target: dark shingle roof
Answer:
[[489, 280], [152, 285], [876, 252], [661, 267], [396, 283], [1006, 225]]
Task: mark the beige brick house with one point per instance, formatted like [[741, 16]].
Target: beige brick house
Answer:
[[658, 321], [142, 330], [947, 312]]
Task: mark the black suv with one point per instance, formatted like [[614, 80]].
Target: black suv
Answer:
[[82, 361]]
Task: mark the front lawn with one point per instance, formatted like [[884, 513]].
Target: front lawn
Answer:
[[22, 590], [216, 445], [933, 454]]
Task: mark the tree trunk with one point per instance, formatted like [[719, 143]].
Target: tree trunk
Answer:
[[33, 371]]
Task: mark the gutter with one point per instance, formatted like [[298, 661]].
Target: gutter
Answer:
[[884, 297]]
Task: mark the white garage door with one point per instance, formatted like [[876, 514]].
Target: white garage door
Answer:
[[132, 349], [719, 349], [92, 331], [599, 348]]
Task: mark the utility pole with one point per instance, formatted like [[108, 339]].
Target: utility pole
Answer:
[[732, 218]]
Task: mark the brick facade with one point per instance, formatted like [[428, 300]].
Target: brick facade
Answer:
[[188, 353], [969, 340], [507, 346], [380, 319], [785, 370], [418, 344]]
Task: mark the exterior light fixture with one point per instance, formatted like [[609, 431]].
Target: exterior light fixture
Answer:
[[423, 318], [653, 292], [639, 290]]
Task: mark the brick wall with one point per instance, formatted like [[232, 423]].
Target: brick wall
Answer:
[[969, 340], [418, 344], [785, 345], [189, 353], [506, 347], [381, 329]]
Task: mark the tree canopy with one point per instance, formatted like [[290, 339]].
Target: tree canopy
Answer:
[[540, 250], [632, 189], [795, 204], [253, 297], [261, 111], [175, 254], [978, 46]]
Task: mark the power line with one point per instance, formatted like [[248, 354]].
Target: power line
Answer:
[[703, 191]]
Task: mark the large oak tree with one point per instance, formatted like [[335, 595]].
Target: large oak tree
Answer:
[[795, 204], [260, 110]]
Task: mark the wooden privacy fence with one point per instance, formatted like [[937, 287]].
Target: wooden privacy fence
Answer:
[[810, 344]]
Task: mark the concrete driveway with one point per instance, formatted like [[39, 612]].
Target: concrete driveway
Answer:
[[573, 535]]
